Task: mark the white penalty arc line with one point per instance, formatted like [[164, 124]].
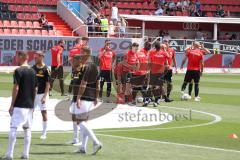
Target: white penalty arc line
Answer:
[[217, 119], [171, 143]]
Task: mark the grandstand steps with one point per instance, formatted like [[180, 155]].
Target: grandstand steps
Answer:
[[59, 24]]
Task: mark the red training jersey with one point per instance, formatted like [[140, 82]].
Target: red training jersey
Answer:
[[118, 70], [132, 59], [55, 51], [171, 56], [143, 61], [195, 57], [106, 59], [158, 60]]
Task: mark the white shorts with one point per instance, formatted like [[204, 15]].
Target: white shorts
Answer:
[[38, 103], [22, 117], [85, 107]]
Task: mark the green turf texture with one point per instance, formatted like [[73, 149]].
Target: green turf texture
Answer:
[[220, 95]]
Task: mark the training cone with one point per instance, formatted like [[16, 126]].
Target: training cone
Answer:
[[233, 136]]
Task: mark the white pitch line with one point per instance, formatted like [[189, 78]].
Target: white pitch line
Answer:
[[217, 119], [172, 143], [145, 140]]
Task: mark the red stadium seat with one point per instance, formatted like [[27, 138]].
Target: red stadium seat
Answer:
[[26, 8], [20, 8], [21, 24], [34, 9], [7, 31], [35, 2], [14, 31], [12, 8], [37, 32], [6, 23], [1, 31], [209, 14], [51, 33], [36, 24], [14, 24], [44, 33], [29, 24], [59, 33], [30, 32], [20, 16], [1, 24], [22, 32], [35, 16], [28, 16]]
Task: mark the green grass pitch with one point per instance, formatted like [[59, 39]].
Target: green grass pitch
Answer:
[[177, 140]]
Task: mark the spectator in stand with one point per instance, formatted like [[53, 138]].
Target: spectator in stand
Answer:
[[198, 5], [192, 10], [185, 4], [200, 34], [167, 37], [233, 37], [172, 5], [226, 36], [90, 24], [179, 6], [44, 23], [114, 15], [122, 26], [161, 34], [97, 23], [220, 11], [159, 12], [111, 30], [198, 8], [104, 25]]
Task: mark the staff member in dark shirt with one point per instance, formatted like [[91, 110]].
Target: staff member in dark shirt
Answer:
[[21, 109], [42, 97], [86, 94]]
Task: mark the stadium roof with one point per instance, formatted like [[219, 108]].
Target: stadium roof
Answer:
[[154, 18]]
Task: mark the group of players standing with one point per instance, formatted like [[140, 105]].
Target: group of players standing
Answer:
[[145, 70]]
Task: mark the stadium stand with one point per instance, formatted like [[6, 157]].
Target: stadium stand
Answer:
[[145, 8], [20, 17]]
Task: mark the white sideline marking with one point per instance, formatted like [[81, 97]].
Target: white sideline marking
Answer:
[[172, 143], [217, 119], [144, 140]]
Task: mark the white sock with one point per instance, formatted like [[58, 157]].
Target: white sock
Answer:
[[84, 138], [75, 132], [27, 141], [44, 132], [89, 132], [11, 141]]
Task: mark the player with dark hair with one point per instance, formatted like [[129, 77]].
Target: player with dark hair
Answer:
[[194, 55], [42, 97], [158, 63], [21, 109], [106, 58], [169, 71], [139, 80], [86, 94], [130, 65], [57, 65]]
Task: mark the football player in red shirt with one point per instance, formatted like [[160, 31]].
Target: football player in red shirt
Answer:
[[195, 56], [130, 65], [169, 71], [57, 65], [139, 78], [158, 62], [106, 58]]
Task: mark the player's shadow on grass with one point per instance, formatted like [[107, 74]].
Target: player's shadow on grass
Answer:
[[50, 153], [50, 145]]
